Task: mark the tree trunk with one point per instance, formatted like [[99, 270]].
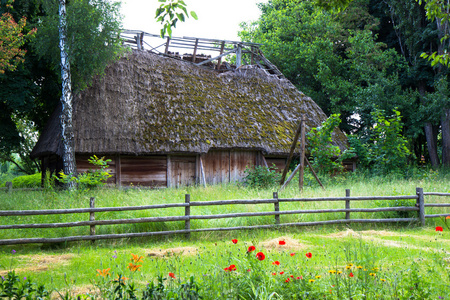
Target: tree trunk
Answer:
[[445, 127], [430, 135], [66, 98]]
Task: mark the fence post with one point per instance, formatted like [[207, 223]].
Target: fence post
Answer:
[[277, 208], [92, 216], [187, 213], [347, 204], [8, 185], [421, 205]]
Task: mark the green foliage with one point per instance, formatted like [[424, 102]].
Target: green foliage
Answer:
[[389, 149], [327, 157], [91, 178], [261, 177], [93, 37], [27, 181], [170, 12], [11, 287]]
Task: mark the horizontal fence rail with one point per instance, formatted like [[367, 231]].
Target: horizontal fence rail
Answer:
[[419, 207]]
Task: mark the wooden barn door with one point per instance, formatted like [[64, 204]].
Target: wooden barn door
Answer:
[[180, 170]]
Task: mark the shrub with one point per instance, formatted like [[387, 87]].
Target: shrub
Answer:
[[91, 178], [27, 181], [261, 176]]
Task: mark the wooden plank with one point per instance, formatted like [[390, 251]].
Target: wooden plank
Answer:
[[144, 170], [195, 51], [219, 62], [169, 171], [290, 178], [302, 153], [437, 204], [279, 162], [118, 171], [436, 194], [202, 170], [239, 161], [171, 232], [314, 173], [216, 164], [182, 170], [291, 153]]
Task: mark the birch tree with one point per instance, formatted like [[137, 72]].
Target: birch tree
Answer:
[[66, 98]]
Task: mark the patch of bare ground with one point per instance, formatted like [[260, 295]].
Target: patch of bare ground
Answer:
[[173, 251], [375, 236], [38, 263], [289, 243]]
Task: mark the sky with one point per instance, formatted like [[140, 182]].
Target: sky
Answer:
[[217, 19]]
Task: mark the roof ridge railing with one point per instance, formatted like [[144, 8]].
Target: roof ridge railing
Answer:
[[155, 43]]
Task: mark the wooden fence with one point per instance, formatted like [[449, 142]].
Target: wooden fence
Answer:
[[419, 207]]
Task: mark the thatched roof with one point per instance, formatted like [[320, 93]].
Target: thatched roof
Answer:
[[148, 104]]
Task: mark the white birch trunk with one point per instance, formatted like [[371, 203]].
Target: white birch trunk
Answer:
[[66, 98]]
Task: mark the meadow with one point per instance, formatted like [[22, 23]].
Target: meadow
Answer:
[[357, 261]]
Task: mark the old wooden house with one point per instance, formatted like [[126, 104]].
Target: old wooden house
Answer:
[[164, 121]]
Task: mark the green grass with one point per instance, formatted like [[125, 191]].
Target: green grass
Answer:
[[407, 255]]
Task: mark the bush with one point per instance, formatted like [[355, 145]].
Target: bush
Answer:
[[27, 181], [261, 176]]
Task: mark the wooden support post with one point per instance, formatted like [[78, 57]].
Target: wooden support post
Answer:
[[169, 172], [264, 161], [302, 154], [194, 55], [187, 213], [238, 56], [290, 178], [8, 185], [421, 205], [118, 171], [291, 153], [166, 51], [277, 208], [92, 217], [202, 170], [314, 173], [347, 204], [219, 62]]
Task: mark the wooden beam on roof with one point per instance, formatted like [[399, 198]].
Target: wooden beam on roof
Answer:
[[214, 58], [220, 58], [195, 51]]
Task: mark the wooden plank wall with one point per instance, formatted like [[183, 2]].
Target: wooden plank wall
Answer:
[[223, 166], [83, 165], [280, 163], [143, 170], [181, 170]]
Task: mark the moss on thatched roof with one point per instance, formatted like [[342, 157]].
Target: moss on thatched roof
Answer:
[[148, 103]]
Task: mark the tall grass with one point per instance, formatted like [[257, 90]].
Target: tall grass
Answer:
[[359, 184]]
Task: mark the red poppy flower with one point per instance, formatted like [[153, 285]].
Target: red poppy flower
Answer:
[[232, 268], [299, 277], [226, 269], [276, 263], [351, 274], [260, 256], [274, 273], [287, 280], [282, 242], [282, 272], [309, 255], [249, 270], [234, 241], [292, 254], [439, 228], [292, 276], [251, 248], [172, 275]]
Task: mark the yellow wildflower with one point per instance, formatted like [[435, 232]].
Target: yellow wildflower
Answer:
[[372, 274], [359, 267], [332, 271], [318, 276], [339, 272], [383, 280], [311, 280]]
